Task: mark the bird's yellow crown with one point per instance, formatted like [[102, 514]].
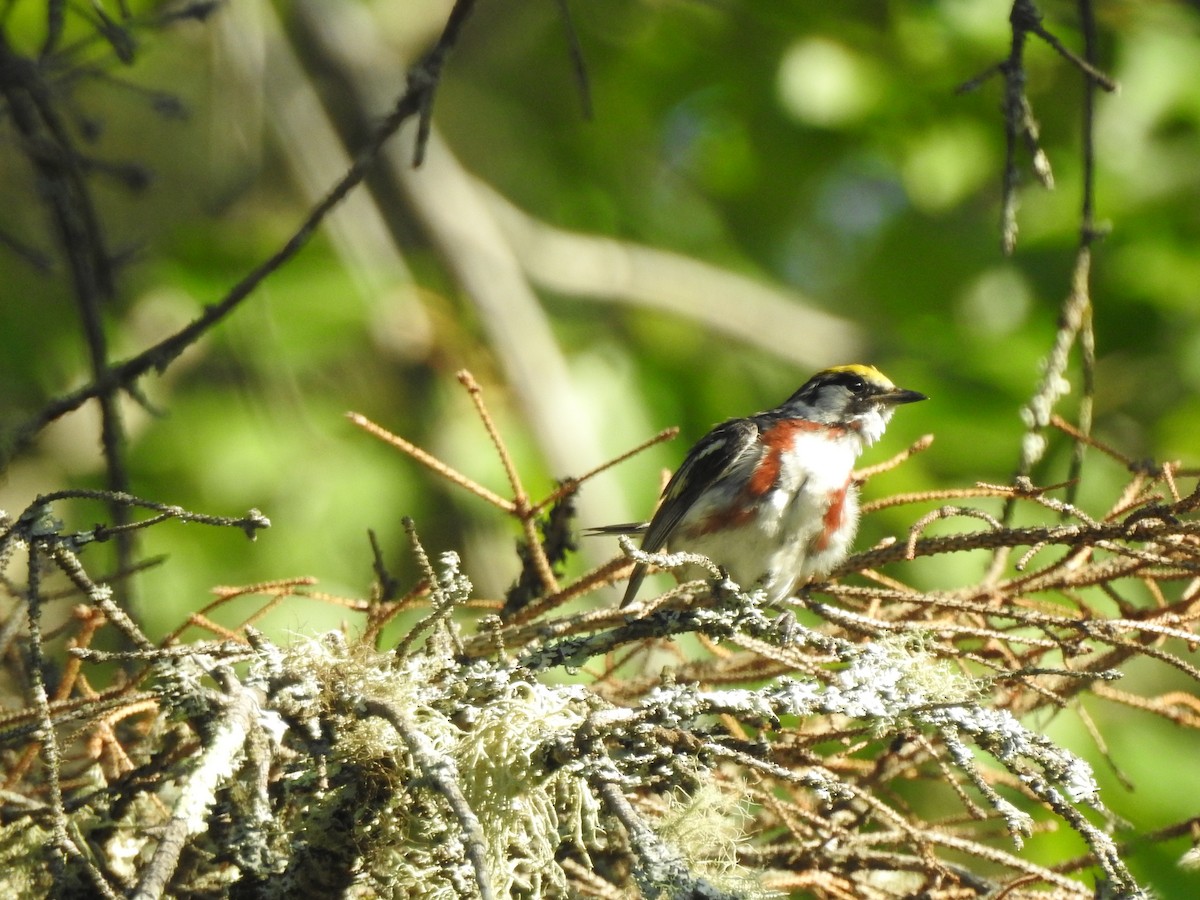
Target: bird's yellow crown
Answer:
[[868, 373]]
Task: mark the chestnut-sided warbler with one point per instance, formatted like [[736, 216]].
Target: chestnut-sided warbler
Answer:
[[770, 498]]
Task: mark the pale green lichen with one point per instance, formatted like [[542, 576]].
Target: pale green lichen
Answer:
[[23, 872], [706, 828], [496, 730]]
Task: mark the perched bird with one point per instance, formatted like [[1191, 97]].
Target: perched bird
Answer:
[[770, 498]]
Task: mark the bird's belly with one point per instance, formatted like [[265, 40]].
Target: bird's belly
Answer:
[[792, 538]]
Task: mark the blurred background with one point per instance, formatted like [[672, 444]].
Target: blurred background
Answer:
[[743, 193]]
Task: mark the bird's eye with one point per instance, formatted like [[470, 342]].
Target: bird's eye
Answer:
[[855, 384]]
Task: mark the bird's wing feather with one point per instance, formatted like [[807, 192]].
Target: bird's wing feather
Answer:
[[709, 461]]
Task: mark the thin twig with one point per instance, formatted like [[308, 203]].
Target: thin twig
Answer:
[[217, 762], [920, 445], [578, 66], [64, 189], [432, 462], [572, 484], [522, 508], [424, 77], [159, 356], [442, 601], [61, 847]]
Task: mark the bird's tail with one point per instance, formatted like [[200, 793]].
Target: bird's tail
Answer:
[[624, 528], [639, 571]]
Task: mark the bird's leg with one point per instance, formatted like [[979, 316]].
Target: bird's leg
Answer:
[[787, 627], [723, 587]]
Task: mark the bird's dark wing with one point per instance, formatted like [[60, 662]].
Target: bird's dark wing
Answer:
[[707, 462], [712, 457]]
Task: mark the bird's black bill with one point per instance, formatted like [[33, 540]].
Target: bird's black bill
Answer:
[[899, 395]]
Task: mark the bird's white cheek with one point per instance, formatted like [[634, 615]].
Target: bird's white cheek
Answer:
[[873, 423]]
